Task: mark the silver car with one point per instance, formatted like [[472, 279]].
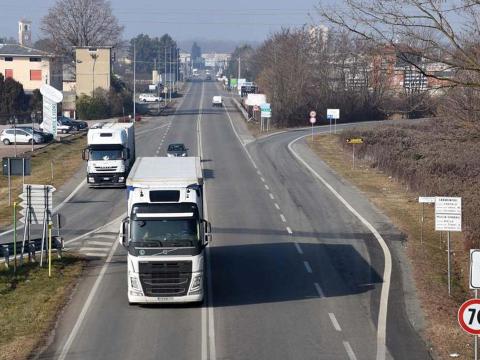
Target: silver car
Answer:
[[20, 136]]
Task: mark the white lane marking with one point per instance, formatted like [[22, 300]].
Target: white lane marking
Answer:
[[319, 290], [387, 271], [334, 321], [283, 218], [307, 267], [271, 196], [95, 254], [208, 327], [99, 243], [289, 230], [276, 206], [86, 306], [298, 247], [98, 249], [263, 179], [349, 350], [95, 230], [266, 187]]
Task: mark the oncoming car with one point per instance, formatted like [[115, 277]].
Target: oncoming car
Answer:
[[175, 150]]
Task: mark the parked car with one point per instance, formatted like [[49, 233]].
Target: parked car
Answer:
[[175, 150], [10, 136], [149, 98], [47, 137], [75, 124], [61, 127]]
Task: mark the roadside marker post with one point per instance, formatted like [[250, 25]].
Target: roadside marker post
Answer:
[[14, 237], [49, 250], [354, 141], [313, 119], [424, 200]]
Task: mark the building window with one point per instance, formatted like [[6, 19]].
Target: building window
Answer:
[[35, 74], [8, 73], [35, 59], [8, 58]]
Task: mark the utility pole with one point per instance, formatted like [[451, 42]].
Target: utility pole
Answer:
[[165, 74], [134, 80], [170, 73], [239, 66]]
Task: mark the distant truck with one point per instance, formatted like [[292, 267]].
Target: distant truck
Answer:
[[217, 101], [165, 232], [110, 154]]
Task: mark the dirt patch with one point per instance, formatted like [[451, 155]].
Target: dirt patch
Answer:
[[30, 302], [427, 254]]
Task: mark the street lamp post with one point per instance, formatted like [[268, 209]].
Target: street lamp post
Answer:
[[94, 57]]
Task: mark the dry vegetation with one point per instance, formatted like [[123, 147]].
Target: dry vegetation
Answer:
[[65, 158], [391, 153], [30, 303]]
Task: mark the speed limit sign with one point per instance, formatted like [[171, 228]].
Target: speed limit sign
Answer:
[[313, 113], [469, 316]]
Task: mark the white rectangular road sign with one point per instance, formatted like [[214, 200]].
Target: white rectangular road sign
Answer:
[[426, 199], [448, 222], [333, 114], [474, 269], [448, 205]]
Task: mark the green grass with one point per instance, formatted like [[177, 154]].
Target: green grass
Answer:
[[30, 302]]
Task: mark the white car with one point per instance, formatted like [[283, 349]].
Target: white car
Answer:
[[217, 101], [8, 137], [149, 98]]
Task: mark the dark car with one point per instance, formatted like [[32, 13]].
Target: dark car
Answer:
[[175, 150], [75, 124]]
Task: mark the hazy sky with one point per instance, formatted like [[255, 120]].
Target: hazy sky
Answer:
[[184, 19]]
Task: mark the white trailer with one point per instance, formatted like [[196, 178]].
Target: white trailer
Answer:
[[165, 232], [110, 154]]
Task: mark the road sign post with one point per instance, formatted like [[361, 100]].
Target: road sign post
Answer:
[[354, 141], [424, 200], [333, 114], [313, 120], [265, 115], [448, 217]]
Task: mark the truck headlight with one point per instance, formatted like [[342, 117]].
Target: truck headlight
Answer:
[[121, 179], [91, 179], [196, 283], [184, 154], [134, 283]]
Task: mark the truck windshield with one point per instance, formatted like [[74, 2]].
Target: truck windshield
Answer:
[[106, 154], [165, 232]]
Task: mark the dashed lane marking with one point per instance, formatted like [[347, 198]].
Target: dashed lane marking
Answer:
[[319, 290], [334, 321], [276, 206], [349, 350], [283, 218], [307, 267], [299, 249], [271, 196], [289, 230]]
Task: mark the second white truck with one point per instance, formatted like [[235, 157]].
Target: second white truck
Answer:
[[110, 154]]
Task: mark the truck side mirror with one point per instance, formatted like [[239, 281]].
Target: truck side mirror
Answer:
[[123, 233], [126, 154], [207, 232], [85, 154]]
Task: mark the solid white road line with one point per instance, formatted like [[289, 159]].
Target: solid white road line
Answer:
[[299, 249], [307, 267], [349, 350], [387, 271], [86, 306], [276, 206], [319, 290], [100, 243], [334, 321], [208, 350], [289, 230], [283, 218]]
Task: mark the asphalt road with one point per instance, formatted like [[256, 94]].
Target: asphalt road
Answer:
[[293, 273]]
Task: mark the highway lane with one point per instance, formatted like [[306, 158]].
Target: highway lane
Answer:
[[112, 329], [294, 275]]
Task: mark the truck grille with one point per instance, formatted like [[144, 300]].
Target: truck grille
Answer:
[[166, 278], [106, 168]]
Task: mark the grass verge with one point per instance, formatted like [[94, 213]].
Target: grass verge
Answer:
[[62, 159], [427, 256], [30, 303]]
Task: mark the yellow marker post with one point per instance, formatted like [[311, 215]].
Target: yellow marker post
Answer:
[[14, 237], [49, 250], [354, 141]]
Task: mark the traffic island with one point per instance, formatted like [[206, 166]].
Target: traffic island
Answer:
[[31, 302]]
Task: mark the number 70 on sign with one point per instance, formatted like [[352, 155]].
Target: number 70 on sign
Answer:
[[469, 316]]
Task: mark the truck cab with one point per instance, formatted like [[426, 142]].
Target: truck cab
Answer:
[[165, 233], [110, 154]]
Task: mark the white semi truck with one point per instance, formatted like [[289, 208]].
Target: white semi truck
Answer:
[[165, 232], [110, 154]]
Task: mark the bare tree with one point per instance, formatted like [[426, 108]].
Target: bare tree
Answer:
[[72, 23]]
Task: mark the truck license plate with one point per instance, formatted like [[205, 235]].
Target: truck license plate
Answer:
[[165, 298], [106, 178]]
